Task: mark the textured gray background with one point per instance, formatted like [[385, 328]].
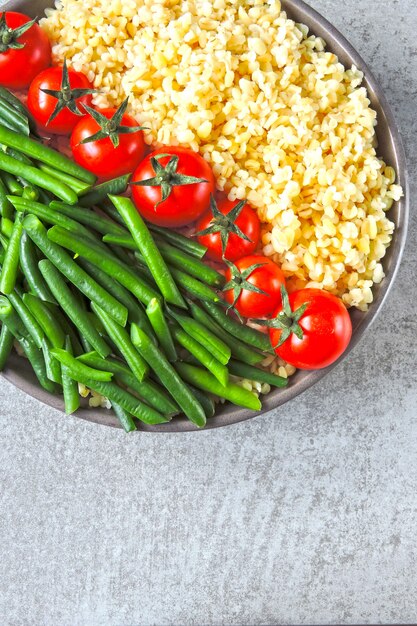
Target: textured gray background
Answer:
[[305, 515]]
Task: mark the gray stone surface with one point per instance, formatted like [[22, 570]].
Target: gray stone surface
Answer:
[[305, 515]]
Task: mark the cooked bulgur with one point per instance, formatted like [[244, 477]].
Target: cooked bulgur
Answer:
[[282, 122]]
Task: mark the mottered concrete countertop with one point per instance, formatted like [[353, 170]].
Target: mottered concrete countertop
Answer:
[[306, 515]]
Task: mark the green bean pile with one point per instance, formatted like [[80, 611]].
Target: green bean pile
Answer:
[[94, 296]]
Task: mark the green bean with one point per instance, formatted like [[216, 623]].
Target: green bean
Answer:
[[69, 386], [124, 417], [206, 402], [122, 397], [180, 241], [11, 319], [202, 355], [147, 390], [53, 367], [14, 101], [7, 227], [37, 361], [218, 348], [135, 311], [11, 260], [31, 324], [79, 186], [46, 319], [83, 371], [106, 261], [37, 177], [168, 377], [100, 192], [149, 249], [72, 271], [6, 209], [67, 327], [90, 218], [194, 287], [107, 208], [30, 193], [178, 258], [207, 382], [121, 339], [68, 303], [40, 152], [13, 185], [13, 119], [6, 345], [160, 326], [15, 154], [239, 350], [48, 215], [254, 373], [240, 331], [29, 265]]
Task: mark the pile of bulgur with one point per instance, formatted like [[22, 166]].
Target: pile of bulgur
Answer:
[[281, 121]]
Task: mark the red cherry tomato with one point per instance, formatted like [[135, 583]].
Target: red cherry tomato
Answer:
[[42, 105], [267, 277], [20, 65], [237, 247], [101, 156], [185, 202], [326, 330]]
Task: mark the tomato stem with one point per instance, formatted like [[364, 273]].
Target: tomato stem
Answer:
[[239, 281], [112, 127], [167, 177], [286, 320], [9, 36], [66, 97], [224, 224]]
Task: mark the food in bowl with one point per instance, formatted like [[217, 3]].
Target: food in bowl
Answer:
[[284, 127]]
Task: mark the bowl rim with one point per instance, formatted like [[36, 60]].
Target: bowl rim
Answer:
[[303, 381]]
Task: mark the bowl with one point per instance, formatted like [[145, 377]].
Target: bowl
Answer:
[[390, 148]]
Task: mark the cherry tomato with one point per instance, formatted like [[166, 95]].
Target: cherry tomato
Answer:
[[183, 178], [112, 155], [43, 106], [18, 66], [325, 326], [254, 272], [246, 222]]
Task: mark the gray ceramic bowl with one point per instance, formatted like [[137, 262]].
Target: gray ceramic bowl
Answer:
[[390, 147]]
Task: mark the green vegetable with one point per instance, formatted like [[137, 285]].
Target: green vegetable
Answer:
[[203, 336], [149, 250], [36, 177], [239, 350], [6, 209], [69, 386], [11, 260], [69, 304], [254, 373], [6, 345], [160, 326], [30, 322], [88, 218], [53, 367], [124, 417], [202, 355], [46, 320], [40, 152], [96, 255], [168, 377], [100, 192], [72, 271], [13, 119], [240, 331], [205, 381], [147, 390], [83, 371], [121, 339], [76, 184], [29, 264], [180, 241]]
